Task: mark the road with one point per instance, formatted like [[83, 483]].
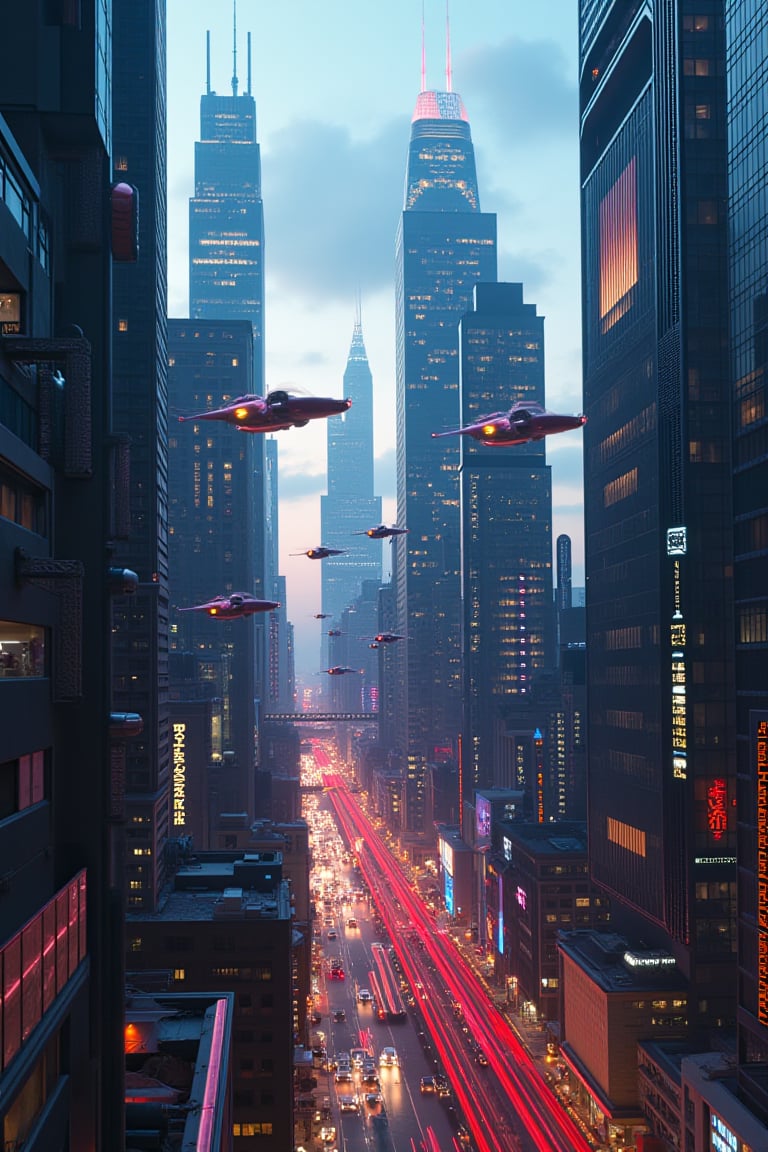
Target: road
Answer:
[[507, 1106]]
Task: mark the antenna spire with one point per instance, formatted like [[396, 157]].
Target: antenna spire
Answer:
[[234, 47], [249, 64], [207, 63], [423, 53], [448, 72]]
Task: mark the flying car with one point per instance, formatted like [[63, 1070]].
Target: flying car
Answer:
[[234, 606], [386, 638], [334, 632], [319, 615], [320, 552], [338, 670], [522, 423], [273, 412], [381, 531]]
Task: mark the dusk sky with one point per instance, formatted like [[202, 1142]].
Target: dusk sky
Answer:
[[335, 86]]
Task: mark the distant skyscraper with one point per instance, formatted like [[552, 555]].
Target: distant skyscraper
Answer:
[[214, 548], [226, 215], [445, 246], [279, 686], [658, 501], [506, 521], [350, 505], [140, 405], [564, 573]]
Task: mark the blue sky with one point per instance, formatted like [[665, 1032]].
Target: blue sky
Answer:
[[335, 85]]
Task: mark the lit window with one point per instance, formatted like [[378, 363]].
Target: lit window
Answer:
[[122, 325], [179, 973], [121, 164]]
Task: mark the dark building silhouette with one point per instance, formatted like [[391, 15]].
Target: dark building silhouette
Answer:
[[564, 572], [506, 524], [350, 505], [63, 499], [661, 734], [445, 246], [140, 405], [214, 544], [747, 33], [226, 215]]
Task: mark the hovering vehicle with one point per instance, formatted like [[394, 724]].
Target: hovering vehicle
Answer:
[[320, 615], [386, 638], [320, 552], [337, 670], [382, 531], [334, 632], [274, 412], [522, 423], [234, 606]]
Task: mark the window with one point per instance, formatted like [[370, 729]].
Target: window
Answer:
[[179, 974], [22, 650], [122, 325]]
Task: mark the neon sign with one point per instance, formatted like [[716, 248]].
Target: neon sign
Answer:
[[677, 546], [717, 808], [759, 749], [179, 775]]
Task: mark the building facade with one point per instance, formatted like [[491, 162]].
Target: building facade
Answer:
[[214, 542], [140, 400], [506, 523], [658, 504], [445, 246]]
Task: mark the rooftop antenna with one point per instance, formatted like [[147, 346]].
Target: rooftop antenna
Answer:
[[423, 53], [249, 64], [234, 47], [448, 74], [358, 308], [207, 63]]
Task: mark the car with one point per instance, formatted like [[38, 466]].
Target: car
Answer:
[[364, 996], [373, 1099], [339, 1016], [427, 1086], [332, 934], [328, 1134], [388, 1058], [358, 1056], [337, 973], [370, 1080], [343, 1075], [442, 1086], [348, 1103], [481, 1058], [352, 922]]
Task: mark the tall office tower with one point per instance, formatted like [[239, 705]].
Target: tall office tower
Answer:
[[61, 494], [226, 214], [747, 33], [213, 488], [140, 407], [506, 525], [445, 246], [658, 503], [350, 505]]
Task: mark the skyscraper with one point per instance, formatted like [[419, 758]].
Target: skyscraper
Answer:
[[213, 545], [226, 214], [506, 524], [661, 734], [445, 246], [747, 34], [350, 505], [140, 366]]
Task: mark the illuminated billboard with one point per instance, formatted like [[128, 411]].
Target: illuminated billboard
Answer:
[[448, 892], [482, 817], [446, 856]]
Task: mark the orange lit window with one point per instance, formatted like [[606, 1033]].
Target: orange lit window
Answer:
[[618, 247], [122, 325]]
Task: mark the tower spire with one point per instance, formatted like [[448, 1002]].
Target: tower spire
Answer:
[[234, 47], [423, 53], [249, 64], [448, 71], [207, 63]]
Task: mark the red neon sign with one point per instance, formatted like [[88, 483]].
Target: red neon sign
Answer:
[[717, 808]]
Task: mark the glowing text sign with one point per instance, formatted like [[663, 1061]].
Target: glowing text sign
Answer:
[[179, 775], [759, 745]]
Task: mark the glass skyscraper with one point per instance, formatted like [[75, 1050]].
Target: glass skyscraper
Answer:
[[506, 525], [226, 217], [747, 39], [658, 506], [350, 505], [445, 246]]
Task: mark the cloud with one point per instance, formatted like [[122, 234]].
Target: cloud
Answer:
[[295, 486], [522, 88], [331, 208]]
